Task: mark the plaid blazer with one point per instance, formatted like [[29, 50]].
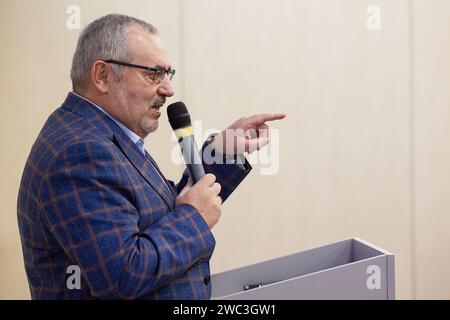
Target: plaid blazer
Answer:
[[89, 198]]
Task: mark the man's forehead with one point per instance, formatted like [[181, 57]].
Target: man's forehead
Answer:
[[146, 47]]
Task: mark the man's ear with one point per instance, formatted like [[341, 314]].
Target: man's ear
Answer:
[[100, 76]]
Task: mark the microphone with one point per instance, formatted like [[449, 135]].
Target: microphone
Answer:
[[180, 121]]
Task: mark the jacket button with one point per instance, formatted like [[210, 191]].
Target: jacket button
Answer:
[[206, 280]]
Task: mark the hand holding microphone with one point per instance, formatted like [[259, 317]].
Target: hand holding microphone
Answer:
[[204, 194]]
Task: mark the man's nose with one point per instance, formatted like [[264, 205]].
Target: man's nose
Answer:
[[165, 88]]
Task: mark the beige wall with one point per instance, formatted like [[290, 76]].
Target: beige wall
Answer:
[[431, 127], [363, 151]]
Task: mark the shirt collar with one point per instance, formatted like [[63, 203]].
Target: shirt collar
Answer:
[[133, 136]]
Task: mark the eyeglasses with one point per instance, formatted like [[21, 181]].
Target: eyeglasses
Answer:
[[157, 74]]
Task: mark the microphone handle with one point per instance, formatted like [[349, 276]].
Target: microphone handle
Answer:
[[192, 158]]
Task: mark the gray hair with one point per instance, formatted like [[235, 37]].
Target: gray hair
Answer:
[[104, 38]]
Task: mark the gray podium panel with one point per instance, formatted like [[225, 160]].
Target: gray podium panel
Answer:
[[348, 269]]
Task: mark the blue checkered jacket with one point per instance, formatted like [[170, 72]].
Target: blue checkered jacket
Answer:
[[89, 198]]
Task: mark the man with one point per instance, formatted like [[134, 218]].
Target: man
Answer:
[[93, 201]]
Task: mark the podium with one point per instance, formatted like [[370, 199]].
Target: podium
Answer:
[[348, 269]]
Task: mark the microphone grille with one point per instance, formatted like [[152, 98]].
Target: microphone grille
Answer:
[[178, 115]]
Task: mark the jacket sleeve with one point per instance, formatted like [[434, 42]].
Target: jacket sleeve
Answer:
[[86, 202], [229, 172]]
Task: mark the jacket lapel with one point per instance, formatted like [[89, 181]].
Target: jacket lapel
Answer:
[[145, 168], [172, 190]]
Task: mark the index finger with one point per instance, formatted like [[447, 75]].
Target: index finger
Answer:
[[261, 118]]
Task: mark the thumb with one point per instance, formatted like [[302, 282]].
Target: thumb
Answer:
[[207, 180]]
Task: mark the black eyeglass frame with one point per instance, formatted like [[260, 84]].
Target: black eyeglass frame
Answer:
[[170, 72]]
